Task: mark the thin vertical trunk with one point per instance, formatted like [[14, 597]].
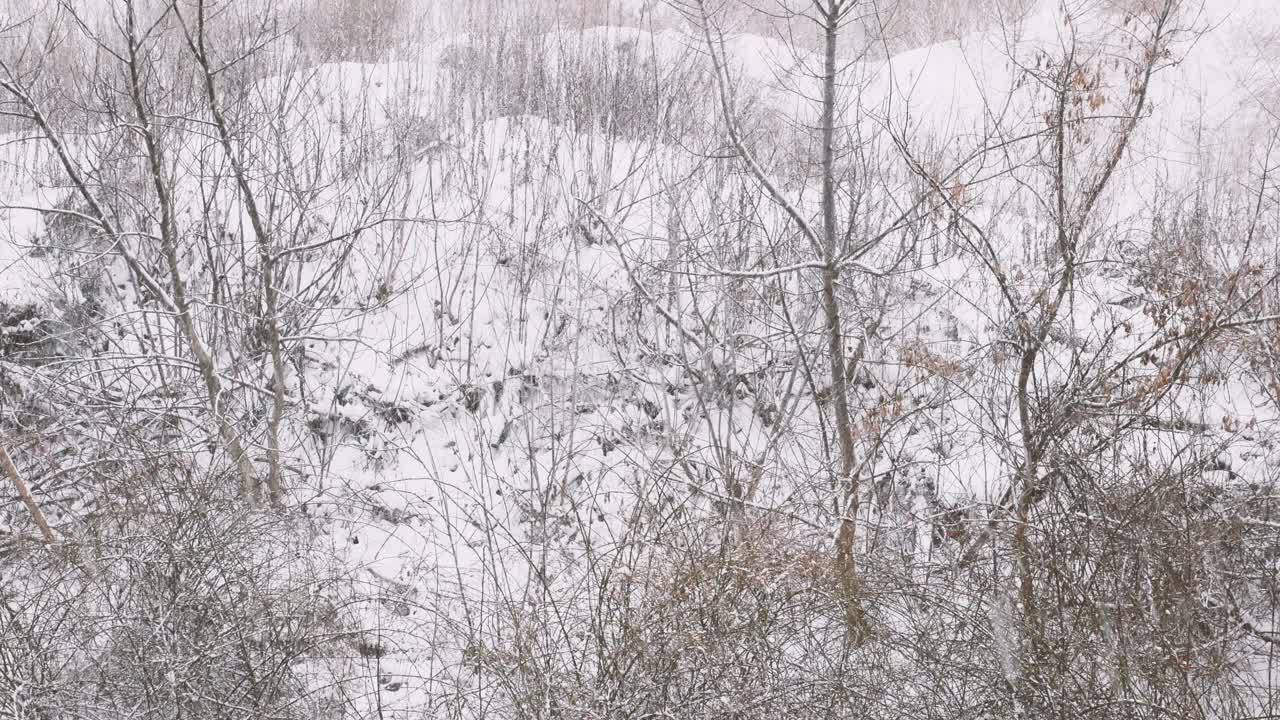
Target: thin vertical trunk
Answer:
[[830, 234], [169, 243], [824, 242], [1071, 220], [847, 566], [266, 259]]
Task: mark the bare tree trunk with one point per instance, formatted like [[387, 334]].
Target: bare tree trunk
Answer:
[[169, 248], [25, 495], [174, 299], [832, 13], [266, 258]]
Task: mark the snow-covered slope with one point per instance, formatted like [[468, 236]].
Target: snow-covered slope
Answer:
[[550, 338]]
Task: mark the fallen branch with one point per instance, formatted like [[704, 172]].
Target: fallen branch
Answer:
[[12, 471]]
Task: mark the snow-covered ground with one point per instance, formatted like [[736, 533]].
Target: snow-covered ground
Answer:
[[534, 352]]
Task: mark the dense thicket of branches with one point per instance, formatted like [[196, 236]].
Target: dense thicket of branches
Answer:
[[620, 360]]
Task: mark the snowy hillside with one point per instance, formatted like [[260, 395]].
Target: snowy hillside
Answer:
[[545, 369]]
